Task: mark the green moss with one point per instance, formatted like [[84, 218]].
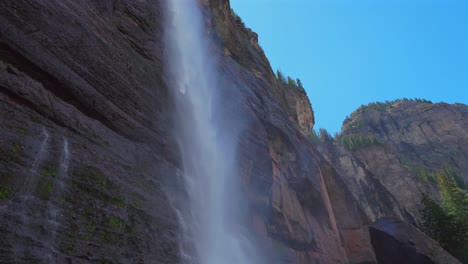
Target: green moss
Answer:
[[62, 202], [68, 243], [6, 180], [49, 170], [116, 223], [22, 131], [92, 180], [13, 154], [35, 119], [92, 177], [5, 193], [90, 192], [45, 189], [136, 200]]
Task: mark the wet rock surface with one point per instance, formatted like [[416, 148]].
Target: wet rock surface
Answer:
[[83, 71]]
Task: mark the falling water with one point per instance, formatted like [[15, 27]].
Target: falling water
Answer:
[[53, 210], [31, 179], [211, 224]]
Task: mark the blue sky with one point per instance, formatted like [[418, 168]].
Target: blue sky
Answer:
[[352, 52]]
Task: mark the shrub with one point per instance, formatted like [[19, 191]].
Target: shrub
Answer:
[[321, 136], [237, 18], [299, 84], [421, 172], [280, 77], [325, 136], [351, 125], [314, 136], [287, 80], [384, 106], [353, 142]]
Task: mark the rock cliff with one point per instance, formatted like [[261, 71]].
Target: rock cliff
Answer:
[[87, 153], [385, 159]]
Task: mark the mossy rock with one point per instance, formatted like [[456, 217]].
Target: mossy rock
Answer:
[[5, 193], [49, 170]]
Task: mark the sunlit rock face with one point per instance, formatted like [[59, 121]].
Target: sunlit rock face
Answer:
[[372, 181], [415, 139]]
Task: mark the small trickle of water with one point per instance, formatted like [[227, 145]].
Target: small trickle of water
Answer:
[[31, 179], [53, 210]]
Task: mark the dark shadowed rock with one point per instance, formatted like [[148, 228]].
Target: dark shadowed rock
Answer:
[[395, 241]]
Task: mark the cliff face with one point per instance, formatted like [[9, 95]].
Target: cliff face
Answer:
[[85, 141], [87, 152], [400, 145], [386, 158]]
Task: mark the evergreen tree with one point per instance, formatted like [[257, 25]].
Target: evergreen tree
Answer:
[[299, 84], [454, 199], [438, 224], [448, 223], [324, 135], [280, 76], [291, 82]]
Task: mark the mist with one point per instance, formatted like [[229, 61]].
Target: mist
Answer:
[[211, 218]]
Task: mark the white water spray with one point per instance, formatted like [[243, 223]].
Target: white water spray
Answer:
[[31, 179], [54, 211], [211, 223]]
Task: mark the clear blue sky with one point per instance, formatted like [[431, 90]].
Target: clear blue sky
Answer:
[[352, 52]]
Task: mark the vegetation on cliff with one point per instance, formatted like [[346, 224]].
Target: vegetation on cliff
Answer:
[[384, 106], [321, 136], [353, 142], [287, 80], [447, 222], [237, 18], [350, 141], [350, 123]]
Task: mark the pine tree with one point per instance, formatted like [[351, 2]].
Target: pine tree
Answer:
[[454, 199], [448, 223], [299, 84], [280, 76]]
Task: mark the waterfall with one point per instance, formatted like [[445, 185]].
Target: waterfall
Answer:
[[31, 179], [53, 210], [212, 225]]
